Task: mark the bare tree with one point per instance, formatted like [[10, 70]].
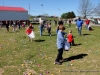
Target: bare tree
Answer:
[[85, 8], [97, 10]]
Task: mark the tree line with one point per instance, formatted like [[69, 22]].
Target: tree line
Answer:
[[68, 15]]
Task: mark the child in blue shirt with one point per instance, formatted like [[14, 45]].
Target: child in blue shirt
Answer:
[[60, 44]]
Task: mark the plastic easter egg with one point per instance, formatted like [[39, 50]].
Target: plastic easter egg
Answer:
[[23, 64], [72, 60], [39, 65], [71, 64], [59, 70], [48, 72], [29, 73]]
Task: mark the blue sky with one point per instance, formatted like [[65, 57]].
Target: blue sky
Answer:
[[51, 7]]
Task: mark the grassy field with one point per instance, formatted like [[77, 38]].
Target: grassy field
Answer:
[[21, 57], [52, 19]]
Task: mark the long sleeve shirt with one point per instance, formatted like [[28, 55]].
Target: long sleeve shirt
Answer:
[[60, 39]]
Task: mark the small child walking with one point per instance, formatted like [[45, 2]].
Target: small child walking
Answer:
[[29, 33], [70, 38], [49, 29], [7, 26]]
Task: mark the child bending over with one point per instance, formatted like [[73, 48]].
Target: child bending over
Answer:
[[70, 38], [29, 33]]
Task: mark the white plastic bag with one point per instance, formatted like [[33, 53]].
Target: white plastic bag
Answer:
[[66, 46], [89, 26], [32, 35]]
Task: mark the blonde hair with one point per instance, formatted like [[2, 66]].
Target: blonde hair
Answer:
[[70, 31]]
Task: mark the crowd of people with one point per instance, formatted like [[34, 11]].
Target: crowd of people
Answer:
[[14, 24], [61, 35]]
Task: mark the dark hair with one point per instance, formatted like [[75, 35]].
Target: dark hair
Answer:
[[30, 27], [50, 23], [79, 18], [61, 27]]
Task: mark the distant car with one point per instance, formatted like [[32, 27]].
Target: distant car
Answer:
[[95, 22], [35, 20], [99, 21]]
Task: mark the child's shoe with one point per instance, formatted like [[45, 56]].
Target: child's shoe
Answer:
[[57, 63]]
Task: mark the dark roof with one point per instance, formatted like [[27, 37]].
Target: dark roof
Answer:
[[8, 8]]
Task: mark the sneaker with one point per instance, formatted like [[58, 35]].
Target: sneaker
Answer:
[[57, 63], [61, 60]]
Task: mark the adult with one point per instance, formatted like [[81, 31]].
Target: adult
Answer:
[[7, 26], [60, 22], [44, 25], [1, 24], [79, 23], [55, 22], [60, 44], [87, 23], [41, 27], [69, 23], [18, 24]]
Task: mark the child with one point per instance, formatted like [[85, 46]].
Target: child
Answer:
[[29, 31], [60, 44], [70, 38], [7, 26], [90, 28], [49, 29], [14, 26], [23, 25], [31, 26]]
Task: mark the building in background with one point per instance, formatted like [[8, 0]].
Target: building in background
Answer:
[[13, 14]]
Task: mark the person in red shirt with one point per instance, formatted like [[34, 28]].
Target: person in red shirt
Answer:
[[70, 38], [28, 31], [87, 23]]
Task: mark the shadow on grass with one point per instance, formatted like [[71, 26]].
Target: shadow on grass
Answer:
[[51, 35], [74, 36], [45, 35], [39, 40], [86, 34], [77, 44], [80, 56], [15, 31]]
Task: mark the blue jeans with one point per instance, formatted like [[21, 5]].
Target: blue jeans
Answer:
[[41, 30], [79, 30], [87, 27]]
